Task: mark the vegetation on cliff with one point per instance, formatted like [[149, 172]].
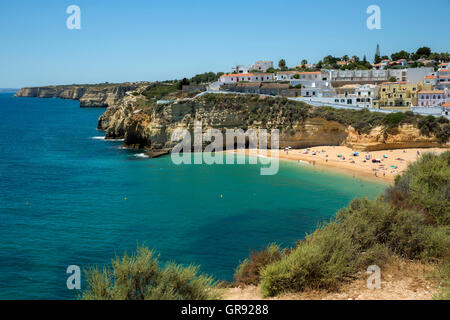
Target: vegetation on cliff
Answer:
[[410, 220], [140, 277], [145, 124]]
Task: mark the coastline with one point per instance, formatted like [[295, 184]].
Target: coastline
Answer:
[[342, 159]]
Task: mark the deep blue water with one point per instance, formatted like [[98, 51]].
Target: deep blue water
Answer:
[[62, 201]]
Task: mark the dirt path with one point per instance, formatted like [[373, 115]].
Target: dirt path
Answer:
[[400, 280]]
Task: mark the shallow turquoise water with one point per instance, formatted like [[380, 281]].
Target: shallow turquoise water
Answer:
[[62, 201]]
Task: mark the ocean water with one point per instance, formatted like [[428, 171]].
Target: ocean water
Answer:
[[68, 197]]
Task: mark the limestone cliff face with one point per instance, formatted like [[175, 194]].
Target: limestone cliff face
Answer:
[[402, 137], [151, 127], [89, 96]]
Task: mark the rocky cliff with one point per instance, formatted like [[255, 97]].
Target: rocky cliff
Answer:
[[402, 137], [146, 125], [89, 95]]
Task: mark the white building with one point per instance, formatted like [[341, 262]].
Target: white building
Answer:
[[246, 77], [443, 78], [360, 96], [261, 65], [433, 98], [430, 79], [286, 75], [239, 69], [314, 84], [410, 75]]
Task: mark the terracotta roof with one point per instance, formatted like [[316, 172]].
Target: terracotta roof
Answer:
[[447, 104], [444, 70], [444, 76], [430, 77]]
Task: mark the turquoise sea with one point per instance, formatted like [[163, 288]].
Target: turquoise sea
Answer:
[[63, 191]]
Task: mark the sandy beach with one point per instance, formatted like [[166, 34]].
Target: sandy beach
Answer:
[[388, 163]]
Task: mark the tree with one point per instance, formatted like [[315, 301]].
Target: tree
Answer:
[[377, 59], [182, 83], [282, 64], [393, 79], [355, 58], [140, 277], [400, 55], [345, 58], [304, 62], [424, 52]]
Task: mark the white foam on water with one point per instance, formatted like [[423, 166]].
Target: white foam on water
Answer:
[[141, 155], [104, 139]]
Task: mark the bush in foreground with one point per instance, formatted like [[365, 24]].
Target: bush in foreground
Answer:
[[249, 270], [410, 220], [139, 277]]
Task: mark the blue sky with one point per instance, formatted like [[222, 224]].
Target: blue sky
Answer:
[[171, 39]]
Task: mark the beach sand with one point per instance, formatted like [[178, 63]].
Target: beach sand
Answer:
[[392, 162]]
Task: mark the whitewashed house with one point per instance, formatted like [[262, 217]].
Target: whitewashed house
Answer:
[[261, 66], [433, 98], [286, 75], [246, 77], [239, 69]]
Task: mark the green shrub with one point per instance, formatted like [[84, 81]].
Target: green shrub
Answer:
[[443, 276], [410, 220], [320, 261], [139, 277], [248, 272], [425, 185]]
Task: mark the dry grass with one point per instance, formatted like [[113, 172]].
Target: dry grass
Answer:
[[400, 280]]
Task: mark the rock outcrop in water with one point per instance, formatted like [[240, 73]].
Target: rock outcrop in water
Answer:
[[88, 95], [147, 125]]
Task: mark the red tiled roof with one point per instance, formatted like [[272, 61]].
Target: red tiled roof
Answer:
[[430, 77], [447, 104]]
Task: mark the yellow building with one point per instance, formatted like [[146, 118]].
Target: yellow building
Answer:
[[399, 95]]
